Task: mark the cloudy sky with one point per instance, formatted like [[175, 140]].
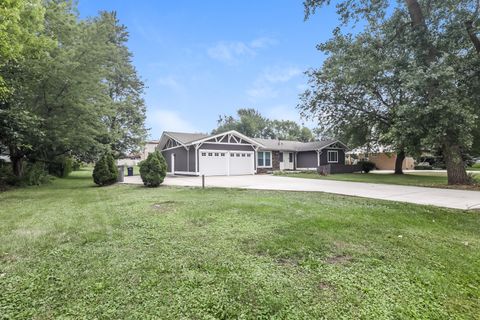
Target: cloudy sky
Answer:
[[202, 59]]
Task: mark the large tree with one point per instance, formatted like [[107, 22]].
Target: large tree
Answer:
[[436, 58], [63, 97], [253, 124]]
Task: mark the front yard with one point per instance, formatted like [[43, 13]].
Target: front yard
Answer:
[[73, 250], [423, 179]]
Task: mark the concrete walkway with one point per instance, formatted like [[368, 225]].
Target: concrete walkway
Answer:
[[456, 199]]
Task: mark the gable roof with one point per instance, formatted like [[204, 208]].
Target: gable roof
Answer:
[[290, 145], [186, 139]]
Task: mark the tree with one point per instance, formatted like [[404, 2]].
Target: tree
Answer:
[[252, 123], [105, 172], [432, 48], [79, 97], [126, 108], [153, 169], [20, 24]]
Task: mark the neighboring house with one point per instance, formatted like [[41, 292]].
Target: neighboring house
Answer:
[[135, 158], [383, 158], [232, 153], [149, 148]]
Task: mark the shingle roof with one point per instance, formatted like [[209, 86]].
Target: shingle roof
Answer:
[[185, 137], [269, 144], [289, 145]]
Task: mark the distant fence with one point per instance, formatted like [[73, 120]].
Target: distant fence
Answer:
[[339, 168]]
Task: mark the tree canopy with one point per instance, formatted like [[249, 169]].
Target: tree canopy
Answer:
[[76, 93], [253, 124], [409, 78]]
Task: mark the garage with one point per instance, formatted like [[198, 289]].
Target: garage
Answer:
[[226, 162]]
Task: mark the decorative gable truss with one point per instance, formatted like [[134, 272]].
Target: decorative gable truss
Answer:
[[229, 138], [171, 143], [336, 145]]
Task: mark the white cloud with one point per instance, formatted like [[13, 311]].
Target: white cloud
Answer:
[[267, 83], [230, 52], [275, 75], [263, 42], [170, 83], [168, 120]]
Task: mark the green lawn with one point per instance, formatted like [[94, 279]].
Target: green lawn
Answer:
[[72, 250], [426, 179]]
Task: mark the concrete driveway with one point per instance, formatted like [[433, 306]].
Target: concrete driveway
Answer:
[[456, 199]]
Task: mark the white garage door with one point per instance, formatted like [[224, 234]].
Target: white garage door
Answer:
[[224, 163]]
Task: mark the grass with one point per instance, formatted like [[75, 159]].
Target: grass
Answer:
[[72, 250], [424, 179]]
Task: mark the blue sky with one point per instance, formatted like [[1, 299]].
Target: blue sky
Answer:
[[201, 59]]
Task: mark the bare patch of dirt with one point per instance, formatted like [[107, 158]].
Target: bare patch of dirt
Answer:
[[339, 259], [164, 206], [325, 286], [287, 262]]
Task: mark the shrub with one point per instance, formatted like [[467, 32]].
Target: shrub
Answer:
[[476, 165], [35, 174], [76, 165], [105, 171], [423, 167], [61, 166], [153, 170], [366, 166]]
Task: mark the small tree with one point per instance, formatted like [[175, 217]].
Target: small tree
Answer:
[[105, 171], [153, 170]]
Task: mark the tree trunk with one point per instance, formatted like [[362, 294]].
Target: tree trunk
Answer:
[[16, 158], [399, 162], [455, 165]]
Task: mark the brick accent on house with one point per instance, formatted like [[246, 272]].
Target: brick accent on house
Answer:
[[275, 163]]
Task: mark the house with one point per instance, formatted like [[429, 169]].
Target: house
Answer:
[[150, 147], [232, 153], [134, 159], [383, 157]]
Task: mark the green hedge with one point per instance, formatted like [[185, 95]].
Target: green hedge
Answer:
[[153, 169]]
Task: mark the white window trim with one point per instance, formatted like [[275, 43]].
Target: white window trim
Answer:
[[270, 166], [328, 156]]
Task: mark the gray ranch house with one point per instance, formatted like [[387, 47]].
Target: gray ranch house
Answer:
[[232, 153]]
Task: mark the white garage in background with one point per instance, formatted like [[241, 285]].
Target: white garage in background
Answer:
[[226, 162]]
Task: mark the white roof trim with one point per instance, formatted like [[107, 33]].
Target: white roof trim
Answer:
[[336, 141], [244, 137], [162, 141]]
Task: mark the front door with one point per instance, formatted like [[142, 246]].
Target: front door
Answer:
[[287, 161]]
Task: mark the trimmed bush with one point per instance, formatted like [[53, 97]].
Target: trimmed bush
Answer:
[[105, 171], [366, 166], [423, 167], [153, 169]]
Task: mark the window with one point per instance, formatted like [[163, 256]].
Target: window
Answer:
[[210, 154], [243, 154], [264, 159], [222, 154], [216, 154], [248, 155], [204, 154], [332, 156], [290, 157]]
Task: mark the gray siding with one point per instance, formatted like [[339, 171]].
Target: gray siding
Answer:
[[324, 159], [213, 146], [180, 159], [191, 159], [307, 159]]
